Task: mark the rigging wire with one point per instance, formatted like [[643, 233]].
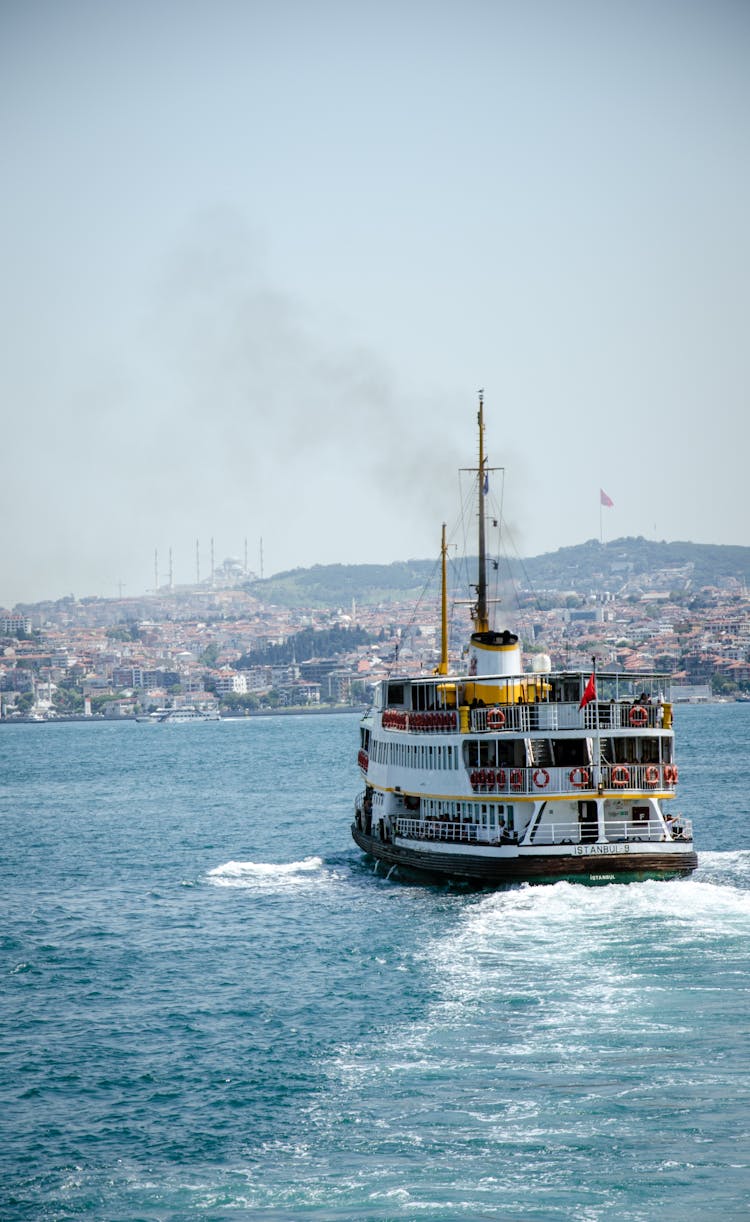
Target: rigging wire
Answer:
[[421, 599]]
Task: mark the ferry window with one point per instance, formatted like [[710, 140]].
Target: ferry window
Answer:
[[395, 693], [471, 753], [571, 752]]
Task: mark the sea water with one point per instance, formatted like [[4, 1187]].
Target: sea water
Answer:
[[213, 1006]]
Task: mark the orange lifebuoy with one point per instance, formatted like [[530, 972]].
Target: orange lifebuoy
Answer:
[[541, 778], [500, 778], [583, 777], [670, 774], [638, 716], [620, 776], [495, 719], [516, 778], [652, 775]]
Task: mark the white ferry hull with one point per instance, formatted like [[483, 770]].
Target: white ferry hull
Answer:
[[493, 865]]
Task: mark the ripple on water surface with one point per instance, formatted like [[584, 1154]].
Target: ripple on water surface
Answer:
[[289, 1032]]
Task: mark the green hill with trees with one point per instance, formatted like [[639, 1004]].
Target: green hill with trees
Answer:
[[582, 568]]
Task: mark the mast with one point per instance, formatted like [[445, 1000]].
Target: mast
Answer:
[[443, 666], [490, 652], [481, 620]]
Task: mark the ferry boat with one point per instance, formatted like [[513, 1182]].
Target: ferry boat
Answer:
[[499, 774], [184, 713]]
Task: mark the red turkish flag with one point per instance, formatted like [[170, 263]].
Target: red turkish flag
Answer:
[[589, 693], [605, 500]]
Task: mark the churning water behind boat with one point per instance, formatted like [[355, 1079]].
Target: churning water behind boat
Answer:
[[213, 1007]]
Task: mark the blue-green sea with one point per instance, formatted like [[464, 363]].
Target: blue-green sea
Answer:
[[212, 1007]]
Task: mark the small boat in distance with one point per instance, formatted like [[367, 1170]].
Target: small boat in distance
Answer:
[[184, 713], [499, 774]]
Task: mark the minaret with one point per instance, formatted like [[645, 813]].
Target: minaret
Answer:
[[197, 562]]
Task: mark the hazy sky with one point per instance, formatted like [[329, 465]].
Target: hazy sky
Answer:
[[257, 258]]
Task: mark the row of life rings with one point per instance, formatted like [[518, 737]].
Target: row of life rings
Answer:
[[491, 778], [432, 721], [621, 775], [488, 778], [394, 719], [496, 778]]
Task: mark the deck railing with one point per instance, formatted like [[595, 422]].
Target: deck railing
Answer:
[[604, 714], [621, 778], [617, 831], [531, 718]]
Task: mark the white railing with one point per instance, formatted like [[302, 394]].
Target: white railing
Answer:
[[531, 718], [518, 718], [616, 831], [619, 778], [434, 829]]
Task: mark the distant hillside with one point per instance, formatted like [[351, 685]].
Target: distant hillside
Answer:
[[585, 567], [329, 585], [610, 565]]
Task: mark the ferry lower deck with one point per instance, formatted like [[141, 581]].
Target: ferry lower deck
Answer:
[[492, 865]]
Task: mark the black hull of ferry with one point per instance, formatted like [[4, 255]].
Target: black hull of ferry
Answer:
[[482, 870]]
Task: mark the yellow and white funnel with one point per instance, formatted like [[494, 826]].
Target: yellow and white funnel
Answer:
[[495, 653]]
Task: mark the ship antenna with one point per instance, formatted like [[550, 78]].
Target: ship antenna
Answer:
[[481, 621]]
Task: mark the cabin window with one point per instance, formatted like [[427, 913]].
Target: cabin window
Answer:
[[571, 752], [566, 690], [510, 753], [395, 693], [650, 751]]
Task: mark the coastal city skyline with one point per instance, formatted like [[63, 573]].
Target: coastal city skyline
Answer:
[[212, 568], [258, 261]]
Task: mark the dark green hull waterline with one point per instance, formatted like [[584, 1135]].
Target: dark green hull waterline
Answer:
[[481, 870]]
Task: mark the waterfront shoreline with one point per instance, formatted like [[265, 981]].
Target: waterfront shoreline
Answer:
[[81, 719]]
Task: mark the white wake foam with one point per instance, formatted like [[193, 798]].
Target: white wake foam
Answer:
[[266, 874]]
